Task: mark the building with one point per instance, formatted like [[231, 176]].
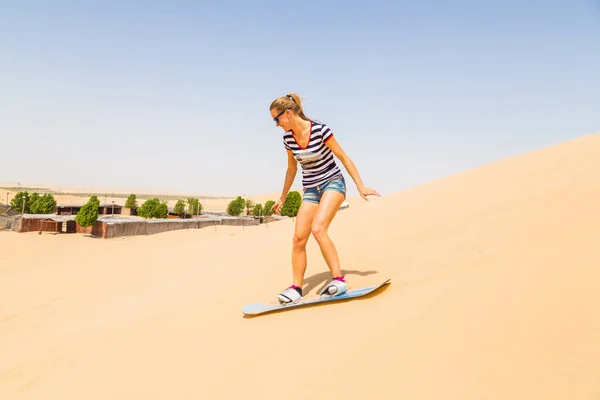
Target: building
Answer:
[[73, 209]]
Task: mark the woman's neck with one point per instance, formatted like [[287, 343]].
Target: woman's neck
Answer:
[[299, 126]]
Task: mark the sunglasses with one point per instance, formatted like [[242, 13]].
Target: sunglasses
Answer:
[[276, 119]]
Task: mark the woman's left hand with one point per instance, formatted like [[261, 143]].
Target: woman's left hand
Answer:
[[365, 191]]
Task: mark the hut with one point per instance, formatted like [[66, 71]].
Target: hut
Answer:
[[46, 223]]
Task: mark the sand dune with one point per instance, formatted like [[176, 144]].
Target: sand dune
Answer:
[[493, 296]]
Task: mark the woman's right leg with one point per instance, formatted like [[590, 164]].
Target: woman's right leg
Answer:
[[304, 219]]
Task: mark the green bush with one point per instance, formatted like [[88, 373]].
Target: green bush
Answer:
[[88, 215], [43, 205], [131, 201], [31, 201], [194, 206], [258, 210], [17, 202], [268, 207], [179, 208], [153, 208], [235, 207], [291, 205]]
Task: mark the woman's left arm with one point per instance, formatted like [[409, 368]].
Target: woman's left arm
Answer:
[[335, 147]]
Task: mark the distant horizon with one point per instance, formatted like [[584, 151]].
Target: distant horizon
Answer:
[[99, 189], [66, 189]]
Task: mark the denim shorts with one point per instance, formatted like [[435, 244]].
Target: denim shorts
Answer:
[[314, 194]]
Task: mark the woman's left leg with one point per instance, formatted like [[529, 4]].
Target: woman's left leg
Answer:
[[331, 201]]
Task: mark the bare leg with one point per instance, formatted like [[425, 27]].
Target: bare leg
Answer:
[[304, 220], [330, 204]]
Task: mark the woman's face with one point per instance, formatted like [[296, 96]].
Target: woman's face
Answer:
[[281, 118]]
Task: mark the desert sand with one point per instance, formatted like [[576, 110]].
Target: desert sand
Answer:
[[494, 295]]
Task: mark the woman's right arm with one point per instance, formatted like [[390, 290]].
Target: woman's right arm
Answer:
[[290, 175]]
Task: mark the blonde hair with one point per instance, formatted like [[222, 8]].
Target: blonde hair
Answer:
[[289, 102]]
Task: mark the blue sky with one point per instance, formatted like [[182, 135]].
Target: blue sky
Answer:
[[175, 95]]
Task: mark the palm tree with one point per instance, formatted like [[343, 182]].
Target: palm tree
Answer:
[[194, 205], [249, 205]]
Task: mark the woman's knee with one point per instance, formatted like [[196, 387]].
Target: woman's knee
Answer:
[[300, 241], [318, 231]]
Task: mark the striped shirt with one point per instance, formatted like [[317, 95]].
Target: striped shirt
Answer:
[[316, 159]]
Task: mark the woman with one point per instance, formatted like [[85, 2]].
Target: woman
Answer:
[[312, 144]]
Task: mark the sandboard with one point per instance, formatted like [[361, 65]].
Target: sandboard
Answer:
[[261, 308]]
